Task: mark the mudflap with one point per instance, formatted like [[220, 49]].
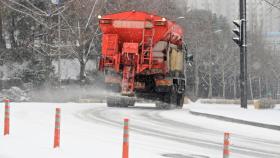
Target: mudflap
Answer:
[[180, 101], [171, 100], [165, 102]]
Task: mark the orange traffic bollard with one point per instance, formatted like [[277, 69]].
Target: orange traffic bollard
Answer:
[[57, 128], [7, 117], [125, 139], [226, 145]]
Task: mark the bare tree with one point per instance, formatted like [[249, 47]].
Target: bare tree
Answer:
[[2, 39], [83, 30]]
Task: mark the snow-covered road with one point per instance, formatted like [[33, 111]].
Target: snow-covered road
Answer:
[[93, 130]]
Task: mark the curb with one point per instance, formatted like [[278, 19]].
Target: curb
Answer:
[[228, 119]]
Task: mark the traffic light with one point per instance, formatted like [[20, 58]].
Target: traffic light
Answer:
[[237, 31]]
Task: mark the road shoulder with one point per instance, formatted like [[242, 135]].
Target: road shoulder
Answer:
[[232, 113]]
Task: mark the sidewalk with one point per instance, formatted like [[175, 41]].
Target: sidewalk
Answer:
[[233, 113]]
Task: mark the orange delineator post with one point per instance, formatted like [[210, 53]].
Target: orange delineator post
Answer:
[[7, 117], [226, 145], [57, 128], [125, 139]]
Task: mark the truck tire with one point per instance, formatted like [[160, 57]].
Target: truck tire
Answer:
[[162, 105], [120, 102], [112, 102], [128, 102]]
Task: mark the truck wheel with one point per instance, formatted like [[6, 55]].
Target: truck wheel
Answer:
[[114, 102], [120, 102], [110, 104], [128, 102], [162, 105]]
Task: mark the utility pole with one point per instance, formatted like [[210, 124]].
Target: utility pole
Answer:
[[243, 54], [241, 40]]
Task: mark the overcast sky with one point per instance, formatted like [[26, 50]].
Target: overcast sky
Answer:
[[259, 13]]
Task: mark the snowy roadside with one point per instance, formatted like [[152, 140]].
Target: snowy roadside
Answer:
[[93, 130], [32, 127], [233, 113]]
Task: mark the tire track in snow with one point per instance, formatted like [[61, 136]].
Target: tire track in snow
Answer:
[[161, 120], [155, 116], [100, 115]]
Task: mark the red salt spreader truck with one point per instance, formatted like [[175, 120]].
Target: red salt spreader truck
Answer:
[[143, 56]]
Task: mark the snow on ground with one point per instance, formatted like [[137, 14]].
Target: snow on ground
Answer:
[[93, 130], [32, 130], [244, 135], [267, 116]]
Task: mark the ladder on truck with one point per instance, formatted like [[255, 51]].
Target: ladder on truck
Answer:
[[129, 62], [147, 46], [128, 77], [128, 80]]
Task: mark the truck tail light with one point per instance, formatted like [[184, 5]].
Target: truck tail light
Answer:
[[105, 21], [160, 23]]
